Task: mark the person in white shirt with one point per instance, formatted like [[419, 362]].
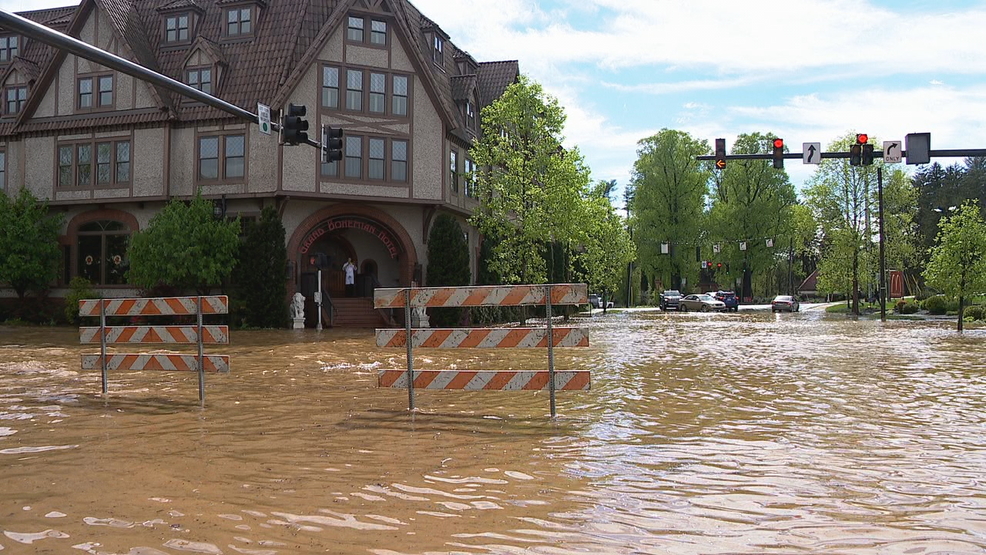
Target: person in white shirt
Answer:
[[350, 270]]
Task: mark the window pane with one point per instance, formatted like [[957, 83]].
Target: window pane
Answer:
[[245, 21], [234, 167], [378, 82], [378, 32], [105, 90], [103, 153], [234, 145], [85, 93], [209, 157], [330, 76], [3, 170], [400, 85], [116, 261], [84, 157], [354, 157], [90, 249], [330, 87], [354, 89], [65, 154], [234, 156], [377, 152], [209, 147], [398, 155], [355, 32], [123, 161]]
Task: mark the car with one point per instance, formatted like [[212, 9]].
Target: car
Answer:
[[669, 299], [785, 302], [729, 299], [595, 301], [701, 303]]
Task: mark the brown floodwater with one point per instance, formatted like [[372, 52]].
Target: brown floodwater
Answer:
[[726, 433]]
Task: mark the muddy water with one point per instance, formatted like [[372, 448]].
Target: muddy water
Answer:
[[702, 434]]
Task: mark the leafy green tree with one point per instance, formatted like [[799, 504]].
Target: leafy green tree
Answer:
[[184, 246], [666, 198], [29, 252], [531, 189], [958, 261], [260, 285], [448, 264], [752, 203], [606, 250]]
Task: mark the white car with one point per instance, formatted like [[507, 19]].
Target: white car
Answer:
[[701, 303]]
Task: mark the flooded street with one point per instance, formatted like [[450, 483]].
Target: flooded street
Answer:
[[723, 433]]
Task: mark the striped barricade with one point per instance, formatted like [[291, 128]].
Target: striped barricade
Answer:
[[197, 334], [547, 337]]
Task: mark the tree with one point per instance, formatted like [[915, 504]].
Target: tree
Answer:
[[448, 263], [606, 249], [531, 189], [666, 198], [752, 203], [184, 246], [260, 284], [958, 260], [29, 251]]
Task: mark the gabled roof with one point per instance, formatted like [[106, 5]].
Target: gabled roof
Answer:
[[265, 67]]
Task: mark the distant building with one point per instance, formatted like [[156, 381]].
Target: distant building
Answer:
[[110, 150]]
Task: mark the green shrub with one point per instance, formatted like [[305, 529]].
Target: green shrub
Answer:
[[937, 305], [975, 312], [924, 293], [910, 308], [79, 288]]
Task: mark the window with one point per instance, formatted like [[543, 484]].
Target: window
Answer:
[[377, 161], [176, 28], [354, 90], [378, 32], [105, 162], [95, 92], [454, 170], [3, 170], [378, 93], [230, 159], [438, 54], [239, 22], [8, 48], [470, 178], [399, 107], [199, 78], [398, 160], [354, 157], [355, 31], [330, 87], [102, 250], [14, 99], [470, 115]]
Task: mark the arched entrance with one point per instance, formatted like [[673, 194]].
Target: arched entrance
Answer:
[[379, 247]]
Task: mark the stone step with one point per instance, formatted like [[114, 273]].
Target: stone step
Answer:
[[357, 313]]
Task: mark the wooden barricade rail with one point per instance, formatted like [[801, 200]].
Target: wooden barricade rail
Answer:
[[197, 334], [547, 337]]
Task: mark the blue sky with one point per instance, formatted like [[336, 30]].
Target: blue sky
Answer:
[[806, 71]]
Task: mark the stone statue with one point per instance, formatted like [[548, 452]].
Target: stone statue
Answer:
[[298, 306]]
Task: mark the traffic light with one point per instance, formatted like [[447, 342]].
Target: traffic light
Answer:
[[294, 128], [331, 144], [867, 154], [778, 154], [720, 153]]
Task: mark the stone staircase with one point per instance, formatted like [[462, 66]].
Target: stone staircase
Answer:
[[357, 312]]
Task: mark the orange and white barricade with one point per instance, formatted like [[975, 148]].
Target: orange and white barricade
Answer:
[[197, 334], [547, 337]]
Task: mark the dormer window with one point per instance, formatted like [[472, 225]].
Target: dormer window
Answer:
[[199, 78], [95, 93], [363, 30], [438, 53], [9, 47], [239, 21], [355, 30], [176, 28], [14, 99], [470, 115]]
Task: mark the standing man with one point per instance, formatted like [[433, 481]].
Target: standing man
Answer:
[[350, 270]]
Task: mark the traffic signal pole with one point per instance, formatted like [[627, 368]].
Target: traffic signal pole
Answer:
[[37, 31]]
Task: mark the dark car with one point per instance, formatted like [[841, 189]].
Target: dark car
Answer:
[[729, 299], [670, 299]]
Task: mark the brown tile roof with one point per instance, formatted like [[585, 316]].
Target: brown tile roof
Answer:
[[264, 67]]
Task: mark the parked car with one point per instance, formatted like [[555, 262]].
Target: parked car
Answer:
[[729, 299], [670, 299], [595, 301], [785, 302], [701, 303]]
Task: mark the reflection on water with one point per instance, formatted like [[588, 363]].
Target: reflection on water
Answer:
[[721, 433]]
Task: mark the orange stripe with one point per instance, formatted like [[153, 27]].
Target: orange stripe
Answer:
[[424, 379], [474, 337], [513, 338], [435, 338], [516, 295], [578, 382], [476, 297], [398, 340], [500, 380], [442, 296], [538, 381], [388, 378], [461, 379]]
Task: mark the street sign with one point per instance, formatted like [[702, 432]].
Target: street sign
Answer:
[[811, 153], [263, 114], [892, 152], [918, 148]]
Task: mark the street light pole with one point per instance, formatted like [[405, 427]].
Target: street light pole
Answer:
[[883, 259]]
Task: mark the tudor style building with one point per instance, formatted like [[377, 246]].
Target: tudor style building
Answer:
[[110, 150]]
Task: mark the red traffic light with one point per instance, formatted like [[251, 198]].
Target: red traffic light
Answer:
[[862, 138], [778, 143]]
